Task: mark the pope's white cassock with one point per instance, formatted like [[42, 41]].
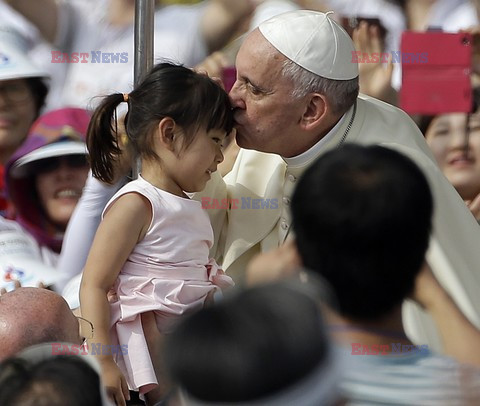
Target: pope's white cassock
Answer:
[[241, 232]]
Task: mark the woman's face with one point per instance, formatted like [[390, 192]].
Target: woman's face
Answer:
[[59, 186], [457, 150], [17, 113]]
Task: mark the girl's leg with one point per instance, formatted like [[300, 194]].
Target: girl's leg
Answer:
[[155, 347]]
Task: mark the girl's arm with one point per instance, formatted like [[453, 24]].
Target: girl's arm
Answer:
[[124, 225]]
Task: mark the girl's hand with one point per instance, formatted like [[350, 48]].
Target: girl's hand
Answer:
[[114, 382]]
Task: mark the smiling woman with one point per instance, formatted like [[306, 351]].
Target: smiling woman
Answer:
[[44, 181], [46, 175], [455, 142]]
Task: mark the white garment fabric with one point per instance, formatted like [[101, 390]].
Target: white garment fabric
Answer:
[[420, 378], [23, 259]]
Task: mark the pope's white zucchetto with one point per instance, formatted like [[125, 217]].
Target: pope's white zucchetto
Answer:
[[314, 41]]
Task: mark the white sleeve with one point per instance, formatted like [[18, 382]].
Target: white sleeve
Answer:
[[82, 227]]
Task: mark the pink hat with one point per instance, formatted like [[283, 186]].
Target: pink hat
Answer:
[[57, 133]]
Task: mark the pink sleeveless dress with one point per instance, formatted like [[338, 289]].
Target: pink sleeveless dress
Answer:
[[169, 272]]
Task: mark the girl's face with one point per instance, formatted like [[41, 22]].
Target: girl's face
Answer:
[[17, 112], [195, 164], [59, 186], [457, 150]]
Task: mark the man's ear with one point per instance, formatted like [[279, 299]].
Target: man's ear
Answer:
[[316, 109], [166, 133]]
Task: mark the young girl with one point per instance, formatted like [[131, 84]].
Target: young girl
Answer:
[[153, 243]]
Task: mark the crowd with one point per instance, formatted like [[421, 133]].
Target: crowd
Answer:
[[291, 236]]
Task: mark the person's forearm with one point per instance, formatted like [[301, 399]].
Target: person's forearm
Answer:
[[95, 308], [461, 339]]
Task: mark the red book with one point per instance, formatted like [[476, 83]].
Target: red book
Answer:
[[436, 69]]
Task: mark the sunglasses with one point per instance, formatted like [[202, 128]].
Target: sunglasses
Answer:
[[51, 164]]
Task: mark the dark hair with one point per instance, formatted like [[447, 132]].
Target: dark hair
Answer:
[[57, 381], [249, 346], [39, 91], [193, 100], [362, 217]]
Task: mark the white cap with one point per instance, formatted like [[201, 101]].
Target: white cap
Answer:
[[314, 41], [59, 148], [14, 61]]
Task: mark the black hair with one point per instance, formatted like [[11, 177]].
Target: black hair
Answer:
[[57, 381], [39, 91], [362, 217], [249, 346], [191, 99]]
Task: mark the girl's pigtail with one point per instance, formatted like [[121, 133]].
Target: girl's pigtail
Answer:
[[102, 139]]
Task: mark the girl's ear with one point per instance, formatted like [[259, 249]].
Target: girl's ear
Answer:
[[166, 133]]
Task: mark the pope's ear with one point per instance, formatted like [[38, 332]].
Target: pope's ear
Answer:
[[316, 109], [166, 133]]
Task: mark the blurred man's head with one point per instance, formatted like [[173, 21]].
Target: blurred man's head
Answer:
[[32, 316], [264, 346], [362, 217]]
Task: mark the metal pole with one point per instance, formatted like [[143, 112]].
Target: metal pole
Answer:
[[144, 18], [143, 62]]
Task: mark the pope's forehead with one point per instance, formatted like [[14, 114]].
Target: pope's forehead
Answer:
[[257, 54]]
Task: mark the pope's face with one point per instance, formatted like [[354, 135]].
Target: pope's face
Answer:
[[266, 114], [458, 156]]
